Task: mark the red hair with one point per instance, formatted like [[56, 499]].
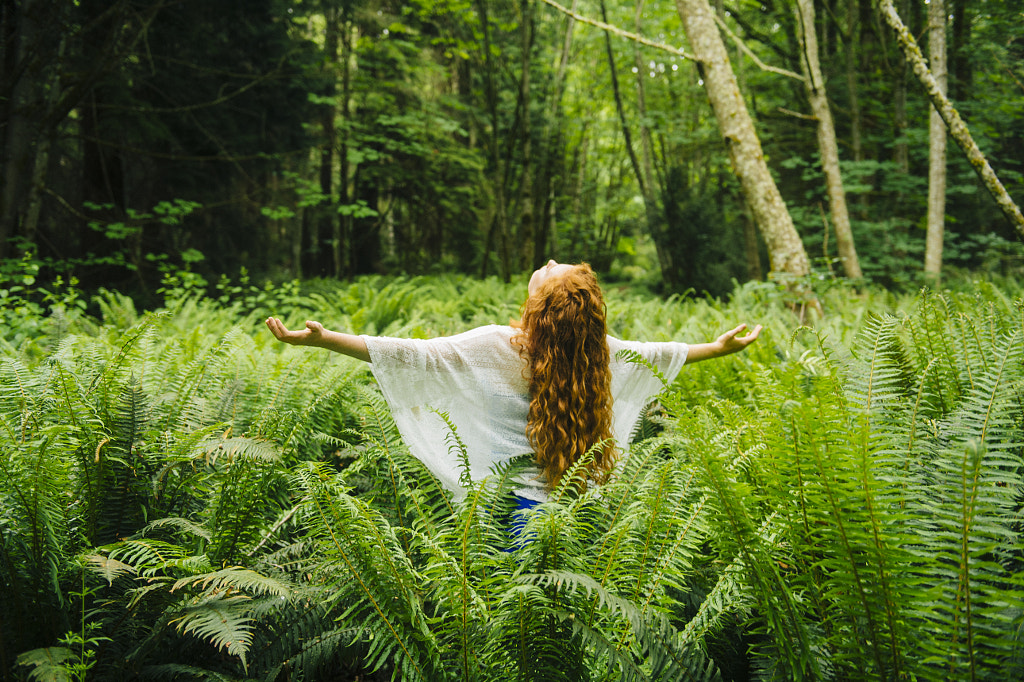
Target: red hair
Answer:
[[563, 337]]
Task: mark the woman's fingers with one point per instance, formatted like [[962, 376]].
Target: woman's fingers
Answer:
[[732, 342], [302, 337], [279, 331], [275, 327]]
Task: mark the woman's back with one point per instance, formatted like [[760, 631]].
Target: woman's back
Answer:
[[478, 379]]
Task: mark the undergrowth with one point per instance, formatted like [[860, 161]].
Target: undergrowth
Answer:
[[183, 498]]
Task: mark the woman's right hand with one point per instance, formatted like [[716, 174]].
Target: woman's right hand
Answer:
[[315, 335], [312, 335]]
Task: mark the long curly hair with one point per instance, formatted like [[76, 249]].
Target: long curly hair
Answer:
[[563, 338]]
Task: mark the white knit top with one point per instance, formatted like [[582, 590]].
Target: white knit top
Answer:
[[477, 378]]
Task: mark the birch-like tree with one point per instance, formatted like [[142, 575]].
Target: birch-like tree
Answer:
[[785, 250], [936, 142], [828, 147]]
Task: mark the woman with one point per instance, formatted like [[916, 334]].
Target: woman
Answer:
[[553, 384]]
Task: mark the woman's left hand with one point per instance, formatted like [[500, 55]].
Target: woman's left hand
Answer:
[[731, 342], [727, 343]]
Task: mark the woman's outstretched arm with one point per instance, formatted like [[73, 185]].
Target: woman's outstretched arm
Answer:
[[725, 344], [316, 336]]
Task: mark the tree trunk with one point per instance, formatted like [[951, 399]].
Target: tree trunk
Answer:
[[936, 143], [498, 231], [957, 128], [41, 166], [641, 103], [901, 149], [318, 264], [656, 221], [21, 113], [827, 146], [642, 177], [958, 63], [546, 244], [626, 133], [785, 250], [527, 218], [853, 29], [341, 238], [579, 183]]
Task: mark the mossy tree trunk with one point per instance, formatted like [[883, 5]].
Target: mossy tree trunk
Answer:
[[936, 143], [957, 128], [785, 250], [828, 147]]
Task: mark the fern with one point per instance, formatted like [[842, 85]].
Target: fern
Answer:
[[809, 510], [363, 560], [225, 621], [660, 652], [965, 512]]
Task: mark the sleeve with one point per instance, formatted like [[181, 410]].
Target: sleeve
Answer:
[[634, 385], [474, 377]]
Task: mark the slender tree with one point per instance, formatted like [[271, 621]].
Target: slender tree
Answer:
[[527, 216], [936, 142], [546, 244], [498, 230], [785, 250], [641, 170], [828, 147]]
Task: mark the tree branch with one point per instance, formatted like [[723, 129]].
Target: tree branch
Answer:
[[957, 128], [752, 33], [796, 114], [619, 32], [747, 51], [256, 80]]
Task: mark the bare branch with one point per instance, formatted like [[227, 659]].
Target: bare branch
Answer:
[[256, 80], [747, 51], [796, 114], [619, 32]]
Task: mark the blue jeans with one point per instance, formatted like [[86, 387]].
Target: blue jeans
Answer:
[[518, 524]]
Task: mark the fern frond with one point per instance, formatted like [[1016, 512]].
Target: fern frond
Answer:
[[636, 358], [413, 492], [48, 664], [965, 514], [186, 525], [659, 648], [366, 561], [246, 448], [456, 444], [781, 610], [225, 621], [109, 569], [235, 579], [181, 671]]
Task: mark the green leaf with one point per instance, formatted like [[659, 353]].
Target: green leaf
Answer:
[[47, 664]]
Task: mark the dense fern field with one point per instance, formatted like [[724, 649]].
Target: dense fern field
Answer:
[[183, 498]]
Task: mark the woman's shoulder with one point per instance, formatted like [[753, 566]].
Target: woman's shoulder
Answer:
[[488, 338], [486, 333], [656, 351]]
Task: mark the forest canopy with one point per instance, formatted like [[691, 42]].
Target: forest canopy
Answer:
[[314, 138]]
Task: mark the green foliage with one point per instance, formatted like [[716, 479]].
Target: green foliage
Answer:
[[154, 451], [182, 496]]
